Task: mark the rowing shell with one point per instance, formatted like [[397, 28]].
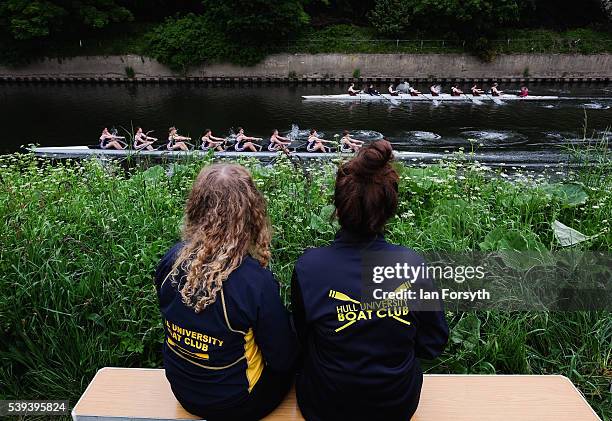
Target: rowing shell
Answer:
[[84, 152], [429, 97], [533, 159]]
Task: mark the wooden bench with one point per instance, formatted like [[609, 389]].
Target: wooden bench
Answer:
[[122, 394]]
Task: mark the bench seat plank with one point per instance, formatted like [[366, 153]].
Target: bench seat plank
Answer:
[[127, 394]]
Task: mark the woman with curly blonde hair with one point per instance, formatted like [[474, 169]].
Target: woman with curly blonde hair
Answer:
[[229, 348]]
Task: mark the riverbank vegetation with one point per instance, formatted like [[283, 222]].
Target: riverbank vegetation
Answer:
[[187, 33], [80, 241]]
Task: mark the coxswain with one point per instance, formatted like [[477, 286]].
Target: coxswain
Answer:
[[142, 140], [524, 92]]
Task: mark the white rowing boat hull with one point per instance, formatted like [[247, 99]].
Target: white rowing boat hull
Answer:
[[533, 159], [427, 97], [84, 151]]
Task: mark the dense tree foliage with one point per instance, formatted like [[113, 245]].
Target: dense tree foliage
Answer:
[[186, 32], [28, 19], [181, 42], [255, 20], [471, 17]]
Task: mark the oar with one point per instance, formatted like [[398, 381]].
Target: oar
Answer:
[[495, 100], [433, 100], [473, 99], [392, 101]]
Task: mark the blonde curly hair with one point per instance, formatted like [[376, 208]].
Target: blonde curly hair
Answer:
[[225, 219]]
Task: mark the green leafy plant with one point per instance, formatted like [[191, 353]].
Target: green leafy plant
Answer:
[[77, 266], [129, 72], [526, 72]]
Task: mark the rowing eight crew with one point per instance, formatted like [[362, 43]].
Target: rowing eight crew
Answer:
[[242, 143], [434, 90]]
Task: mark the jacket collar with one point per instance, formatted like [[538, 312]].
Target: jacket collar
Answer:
[[346, 237]]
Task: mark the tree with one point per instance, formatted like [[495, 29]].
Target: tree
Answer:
[[31, 19], [253, 21], [24, 19], [606, 6], [392, 18], [470, 18]]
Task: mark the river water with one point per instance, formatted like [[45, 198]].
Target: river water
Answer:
[[74, 114]]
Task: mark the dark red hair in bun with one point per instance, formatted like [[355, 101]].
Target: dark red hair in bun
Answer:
[[366, 190]]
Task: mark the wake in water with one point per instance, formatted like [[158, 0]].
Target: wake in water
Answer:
[[596, 106], [299, 136], [498, 139]]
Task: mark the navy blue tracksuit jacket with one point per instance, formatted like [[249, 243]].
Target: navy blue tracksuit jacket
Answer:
[[215, 358], [367, 369]]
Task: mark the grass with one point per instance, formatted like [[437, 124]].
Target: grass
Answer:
[[353, 39], [81, 240]]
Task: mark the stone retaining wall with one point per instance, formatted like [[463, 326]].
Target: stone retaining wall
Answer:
[[328, 68]]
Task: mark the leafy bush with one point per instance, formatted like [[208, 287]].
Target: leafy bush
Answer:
[[129, 72], [190, 40], [77, 265]]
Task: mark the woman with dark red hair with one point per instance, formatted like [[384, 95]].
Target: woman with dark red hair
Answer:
[[360, 352]]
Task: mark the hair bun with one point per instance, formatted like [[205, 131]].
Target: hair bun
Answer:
[[372, 158]]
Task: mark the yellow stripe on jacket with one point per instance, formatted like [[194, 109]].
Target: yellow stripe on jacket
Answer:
[[254, 359]]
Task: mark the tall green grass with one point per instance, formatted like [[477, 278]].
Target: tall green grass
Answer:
[[80, 241]]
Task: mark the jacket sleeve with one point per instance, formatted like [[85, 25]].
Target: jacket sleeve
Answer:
[[432, 328], [273, 331], [432, 334]]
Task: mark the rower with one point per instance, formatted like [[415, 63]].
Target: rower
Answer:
[[413, 91], [211, 142], [371, 91], [435, 90], [495, 91], [352, 91], [315, 143], [392, 91], [142, 140], [244, 142], [349, 144], [476, 91], [176, 141], [278, 142], [110, 141], [524, 92], [455, 91], [403, 87]]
